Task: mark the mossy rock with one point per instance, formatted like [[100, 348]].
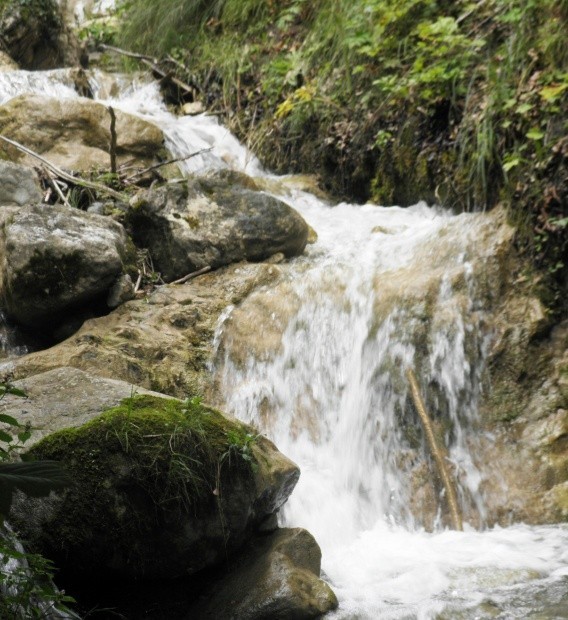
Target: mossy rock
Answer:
[[162, 488]]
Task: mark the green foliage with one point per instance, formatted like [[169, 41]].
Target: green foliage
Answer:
[[174, 449], [240, 446], [394, 100], [36, 479], [26, 589]]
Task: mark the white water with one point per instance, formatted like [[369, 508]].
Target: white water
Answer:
[[332, 394]]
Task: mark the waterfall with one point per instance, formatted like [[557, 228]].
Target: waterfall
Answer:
[[317, 362]]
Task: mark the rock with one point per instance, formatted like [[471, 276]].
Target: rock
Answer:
[[75, 134], [210, 222], [163, 341], [191, 109], [277, 578], [56, 258], [35, 35], [19, 185], [121, 291], [65, 398], [6, 63], [162, 488]]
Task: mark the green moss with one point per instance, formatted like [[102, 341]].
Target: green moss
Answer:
[[172, 448], [136, 466]]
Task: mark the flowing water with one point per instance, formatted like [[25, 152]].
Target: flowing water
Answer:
[[318, 362]]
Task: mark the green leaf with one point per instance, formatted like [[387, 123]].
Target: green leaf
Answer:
[[23, 437], [36, 478], [5, 437], [8, 419], [535, 134], [523, 108], [553, 91], [511, 163]]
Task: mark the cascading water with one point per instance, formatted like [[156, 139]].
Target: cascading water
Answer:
[[318, 361]]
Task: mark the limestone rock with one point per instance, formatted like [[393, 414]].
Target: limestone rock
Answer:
[[19, 185], [75, 134], [277, 578], [161, 489], [56, 258], [163, 341], [65, 398], [211, 222]]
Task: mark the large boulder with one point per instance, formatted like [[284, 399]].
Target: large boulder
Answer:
[[75, 133], [162, 488], [35, 34], [210, 222], [56, 258], [277, 578], [19, 185]]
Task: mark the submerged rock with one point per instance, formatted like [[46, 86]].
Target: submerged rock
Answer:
[[162, 488], [75, 134], [212, 222], [277, 578], [56, 258]]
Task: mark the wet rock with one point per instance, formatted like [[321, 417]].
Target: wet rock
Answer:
[[19, 185], [35, 35], [163, 341], [211, 222], [162, 488], [55, 258], [75, 134], [277, 577]]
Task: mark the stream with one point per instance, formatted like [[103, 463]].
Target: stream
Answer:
[[317, 363]]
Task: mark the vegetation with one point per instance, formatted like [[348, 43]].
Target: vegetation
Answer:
[[392, 100], [26, 586], [174, 449]]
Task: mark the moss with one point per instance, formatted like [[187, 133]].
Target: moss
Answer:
[[139, 467]]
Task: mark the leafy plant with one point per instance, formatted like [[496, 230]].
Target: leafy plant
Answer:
[[26, 586]]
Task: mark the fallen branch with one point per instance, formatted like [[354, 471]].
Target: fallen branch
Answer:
[[103, 189], [439, 452], [140, 173], [61, 195], [192, 275]]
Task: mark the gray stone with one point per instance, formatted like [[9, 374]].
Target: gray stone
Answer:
[[75, 133], [121, 291], [277, 577], [65, 398], [56, 258], [212, 222], [155, 494], [19, 185]]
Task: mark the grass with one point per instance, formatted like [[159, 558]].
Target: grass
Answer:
[[392, 100]]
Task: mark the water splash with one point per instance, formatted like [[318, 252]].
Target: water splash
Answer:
[[323, 374]]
